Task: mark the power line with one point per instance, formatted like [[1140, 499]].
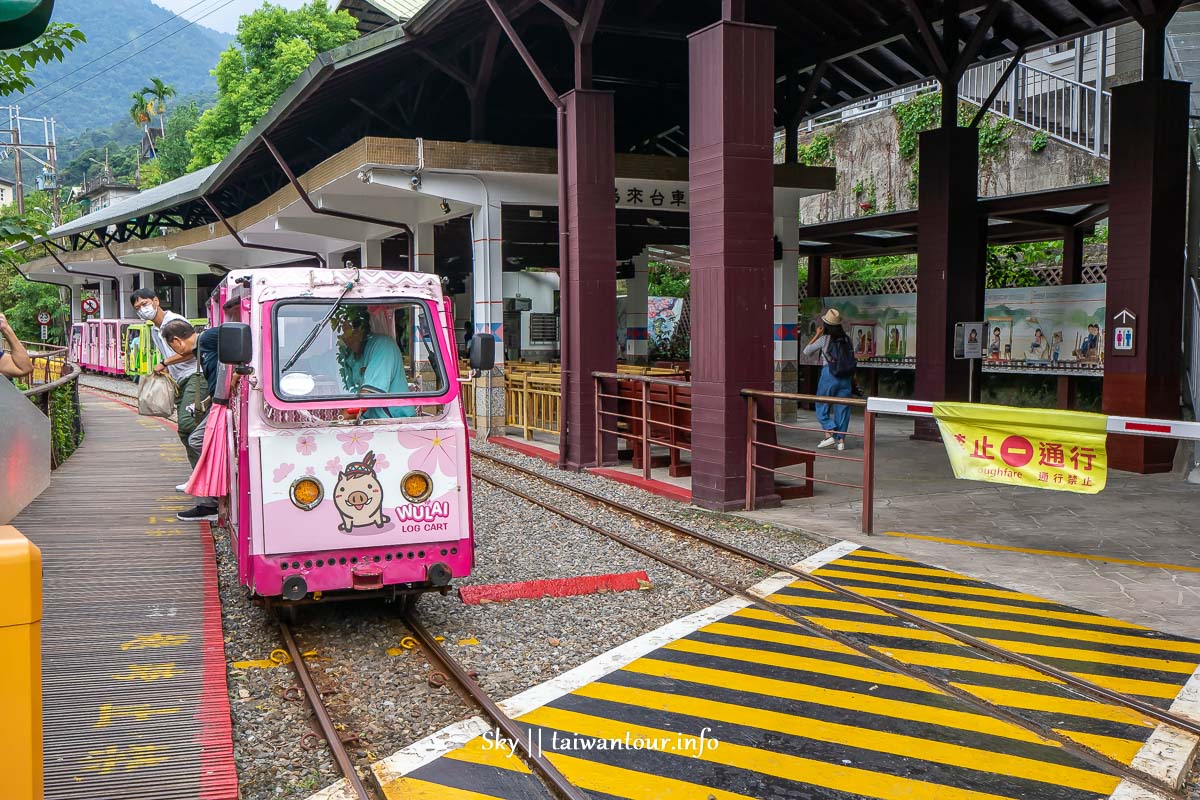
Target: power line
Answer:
[[121, 46], [116, 64]]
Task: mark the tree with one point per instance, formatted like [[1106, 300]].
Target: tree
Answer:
[[174, 149], [20, 299], [159, 93], [138, 112], [16, 65], [273, 46]]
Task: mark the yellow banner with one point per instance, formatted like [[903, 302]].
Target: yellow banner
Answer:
[[1059, 450]]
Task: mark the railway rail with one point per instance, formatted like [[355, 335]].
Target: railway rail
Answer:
[[463, 680], [1079, 685]]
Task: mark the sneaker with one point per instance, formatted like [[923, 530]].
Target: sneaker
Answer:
[[181, 488], [828, 441], [841, 445], [198, 514]]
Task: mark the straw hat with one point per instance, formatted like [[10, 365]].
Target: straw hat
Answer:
[[832, 317]]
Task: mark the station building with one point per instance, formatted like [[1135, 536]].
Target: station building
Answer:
[[532, 153]]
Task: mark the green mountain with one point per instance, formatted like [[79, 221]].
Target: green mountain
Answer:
[[183, 59]]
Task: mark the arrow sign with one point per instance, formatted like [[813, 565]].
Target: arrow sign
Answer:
[[1125, 316]]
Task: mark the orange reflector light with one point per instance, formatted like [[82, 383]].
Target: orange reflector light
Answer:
[[307, 493], [416, 486]]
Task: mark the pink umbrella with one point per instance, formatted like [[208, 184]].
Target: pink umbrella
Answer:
[[210, 478]]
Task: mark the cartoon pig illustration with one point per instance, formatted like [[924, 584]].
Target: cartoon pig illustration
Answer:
[[358, 496]]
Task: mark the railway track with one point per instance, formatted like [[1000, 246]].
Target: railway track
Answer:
[[448, 669], [1078, 685]]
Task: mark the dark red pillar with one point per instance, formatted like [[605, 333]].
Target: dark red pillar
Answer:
[[591, 265], [1147, 209], [1072, 273], [730, 178], [950, 263]]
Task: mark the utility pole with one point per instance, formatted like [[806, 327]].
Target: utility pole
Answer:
[[19, 189]]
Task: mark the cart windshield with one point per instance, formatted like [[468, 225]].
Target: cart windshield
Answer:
[[368, 350]]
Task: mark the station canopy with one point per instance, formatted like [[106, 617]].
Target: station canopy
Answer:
[[415, 78]]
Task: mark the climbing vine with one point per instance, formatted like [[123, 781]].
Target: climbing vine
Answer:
[[818, 152], [923, 113]]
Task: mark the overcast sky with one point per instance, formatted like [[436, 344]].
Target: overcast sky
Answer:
[[226, 18]]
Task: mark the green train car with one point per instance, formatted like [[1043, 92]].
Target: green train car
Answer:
[[141, 356]]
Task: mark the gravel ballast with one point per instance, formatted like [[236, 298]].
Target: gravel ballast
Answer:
[[382, 690]]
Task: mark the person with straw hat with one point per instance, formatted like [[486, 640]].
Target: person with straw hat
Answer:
[[837, 376]]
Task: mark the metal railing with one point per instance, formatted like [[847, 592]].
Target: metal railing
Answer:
[[62, 410], [788, 456], [532, 401], [1065, 109], [49, 362], [648, 411]]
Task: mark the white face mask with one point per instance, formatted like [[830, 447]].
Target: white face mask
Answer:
[[147, 312]]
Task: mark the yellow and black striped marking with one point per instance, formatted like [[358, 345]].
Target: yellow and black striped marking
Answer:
[[799, 716]]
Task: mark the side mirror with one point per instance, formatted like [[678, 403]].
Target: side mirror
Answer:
[[483, 351], [233, 343]]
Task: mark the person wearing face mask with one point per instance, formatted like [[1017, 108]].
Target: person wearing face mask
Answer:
[[184, 340], [182, 368]]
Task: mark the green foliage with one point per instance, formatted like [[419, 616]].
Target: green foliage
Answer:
[[923, 112], [123, 161], [1099, 237], [21, 300], [65, 432], [151, 175], [994, 133], [666, 281], [185, 61], [1038, 141], [871, 270], [174, 149], [818, 152], [914, 117], [273, 46], [1009, 264], [16, 66]]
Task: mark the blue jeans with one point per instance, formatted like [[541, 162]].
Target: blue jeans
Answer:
[[833, 418]]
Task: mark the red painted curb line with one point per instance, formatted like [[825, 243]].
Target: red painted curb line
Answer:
[[660, 488], [218, 774], [554, 587], [548, 456]]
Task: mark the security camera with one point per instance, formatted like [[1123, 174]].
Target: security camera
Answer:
[[415, 180]]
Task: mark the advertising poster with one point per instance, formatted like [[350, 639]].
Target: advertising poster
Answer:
[[1056, 330], [1058, 450], [882, 328], [1045, 329], [662, 313]]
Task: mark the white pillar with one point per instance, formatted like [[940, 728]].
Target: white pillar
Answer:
[[637, 342], [423, 251], [787, 292], [108, 300], [75, 299], [371, 254], [191, 297], [488, 290]]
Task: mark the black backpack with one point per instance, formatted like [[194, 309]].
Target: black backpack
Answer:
[[840, 357]]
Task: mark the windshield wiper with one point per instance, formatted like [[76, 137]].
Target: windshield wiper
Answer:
[[312, 335]]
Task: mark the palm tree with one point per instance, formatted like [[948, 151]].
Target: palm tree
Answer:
[[137, 112], [159, 92]]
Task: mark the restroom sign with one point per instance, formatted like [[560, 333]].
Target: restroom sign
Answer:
[[1124, 332]]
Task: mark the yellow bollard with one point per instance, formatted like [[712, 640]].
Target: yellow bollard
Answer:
[[20, 650]]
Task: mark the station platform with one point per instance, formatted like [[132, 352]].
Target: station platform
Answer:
[[735, 702], [1128, 552], [133, 664]]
